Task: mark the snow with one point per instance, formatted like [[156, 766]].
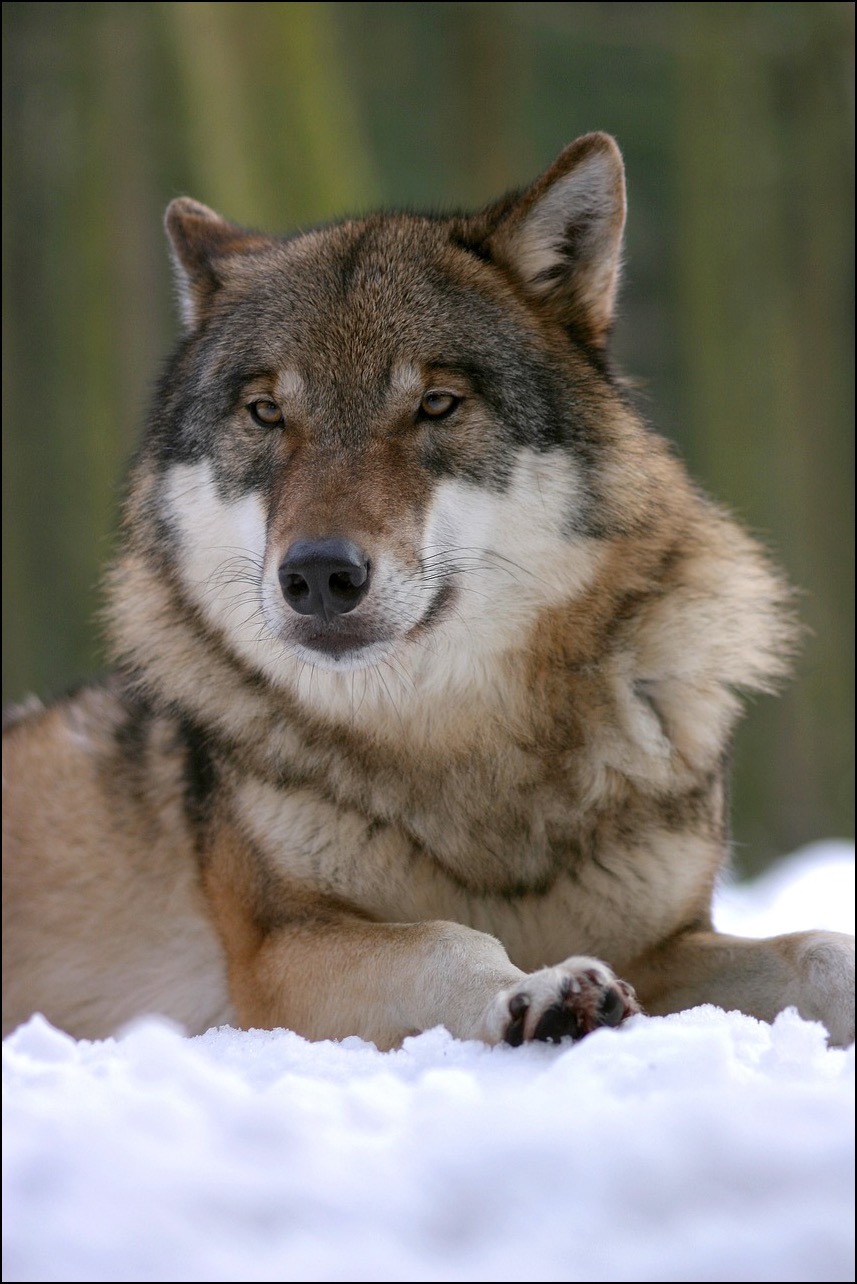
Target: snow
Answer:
[[703, 1146]]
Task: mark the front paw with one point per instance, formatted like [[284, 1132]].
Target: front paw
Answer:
[[572, 999], [823, 988]]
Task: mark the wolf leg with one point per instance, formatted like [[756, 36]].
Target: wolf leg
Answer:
[[302, 958], [812, 971], [333, 975]]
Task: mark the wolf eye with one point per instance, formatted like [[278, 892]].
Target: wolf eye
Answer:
[[438, 404], [266, 413]]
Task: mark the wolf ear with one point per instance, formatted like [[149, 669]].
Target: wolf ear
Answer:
[[201, 241], [562, 238]]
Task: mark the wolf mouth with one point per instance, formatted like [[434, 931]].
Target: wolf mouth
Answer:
[[334, 644]]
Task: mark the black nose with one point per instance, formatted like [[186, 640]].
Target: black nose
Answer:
[[324, 577]]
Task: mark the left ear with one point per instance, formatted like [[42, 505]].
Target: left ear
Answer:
[[562, 238], [203, 244]]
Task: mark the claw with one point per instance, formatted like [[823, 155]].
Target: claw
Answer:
[[519, 1006], [611, 1010]]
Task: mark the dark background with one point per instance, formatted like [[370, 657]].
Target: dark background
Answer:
[[736, 318]]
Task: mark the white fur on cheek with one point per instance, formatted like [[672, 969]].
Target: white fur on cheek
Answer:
[[221, 550], [513, 554]]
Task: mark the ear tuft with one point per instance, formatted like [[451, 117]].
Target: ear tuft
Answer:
[[199, 240], [562, 238]]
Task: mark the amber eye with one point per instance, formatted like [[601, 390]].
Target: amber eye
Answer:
[[266, 413], [438, 404]]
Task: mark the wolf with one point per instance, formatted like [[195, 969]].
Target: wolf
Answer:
[[428, 655]]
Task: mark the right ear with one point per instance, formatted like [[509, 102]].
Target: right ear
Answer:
[[201, 241], [562, 237]]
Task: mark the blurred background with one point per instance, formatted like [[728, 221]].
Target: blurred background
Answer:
[[736, 122]]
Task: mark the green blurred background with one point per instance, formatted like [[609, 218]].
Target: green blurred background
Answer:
[[736, 318]]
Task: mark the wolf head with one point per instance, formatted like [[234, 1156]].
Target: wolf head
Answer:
[[398, 437]]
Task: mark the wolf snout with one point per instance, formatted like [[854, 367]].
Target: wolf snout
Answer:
[[324, 577]]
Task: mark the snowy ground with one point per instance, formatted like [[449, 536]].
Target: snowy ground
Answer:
[[704, 1146]]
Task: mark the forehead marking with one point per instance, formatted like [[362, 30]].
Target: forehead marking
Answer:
[[290, 385], [406, 379]]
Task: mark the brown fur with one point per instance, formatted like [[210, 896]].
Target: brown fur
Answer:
[[497, 783]]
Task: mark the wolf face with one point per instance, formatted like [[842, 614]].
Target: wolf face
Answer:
[[386, 439]]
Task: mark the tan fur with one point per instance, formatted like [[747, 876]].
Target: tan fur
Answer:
[[108, 905], [506, 788]]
